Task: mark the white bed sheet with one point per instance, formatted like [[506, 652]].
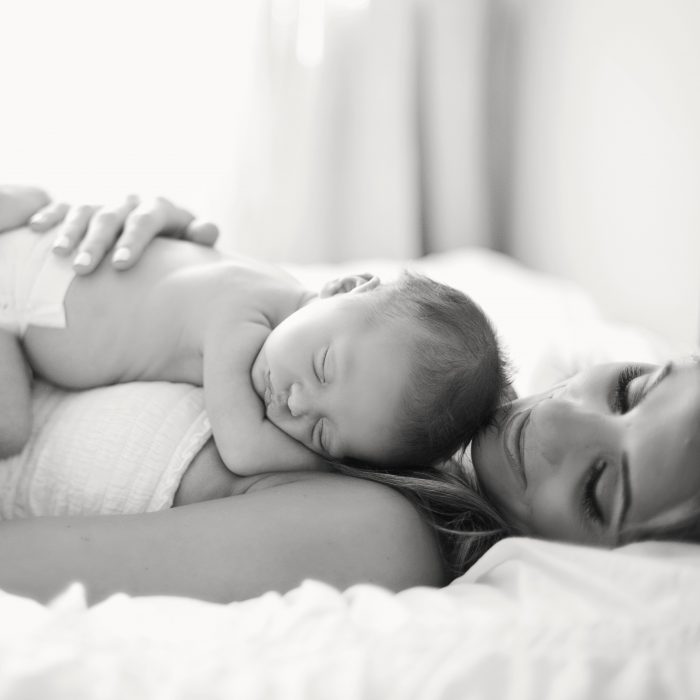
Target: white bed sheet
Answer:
[[530, 620]]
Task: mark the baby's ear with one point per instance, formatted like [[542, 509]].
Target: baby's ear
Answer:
[[350, 283]]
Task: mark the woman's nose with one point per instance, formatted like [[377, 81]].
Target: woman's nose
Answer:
[[560, 427]]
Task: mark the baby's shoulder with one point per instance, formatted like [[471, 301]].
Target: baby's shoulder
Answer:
[[261, 287]]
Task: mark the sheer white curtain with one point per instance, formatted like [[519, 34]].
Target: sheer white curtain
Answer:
[[104, 97], [371, 141], [309, 129]]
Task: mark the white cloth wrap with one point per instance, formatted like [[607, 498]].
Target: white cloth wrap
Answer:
[[33, 282], [117, 449]]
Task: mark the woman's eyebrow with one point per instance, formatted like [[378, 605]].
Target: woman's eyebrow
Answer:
[[667, 370]]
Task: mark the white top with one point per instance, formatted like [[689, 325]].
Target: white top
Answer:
[[119, 449]]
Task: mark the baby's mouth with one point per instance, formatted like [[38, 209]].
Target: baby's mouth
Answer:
[[267, 396], [276, 406]]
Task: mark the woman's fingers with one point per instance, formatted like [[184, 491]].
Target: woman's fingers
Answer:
[[18, 203], [89, 232], [103, 228], [49, 216], [159, 217], [156, 217], [202, 232], [71, 231]]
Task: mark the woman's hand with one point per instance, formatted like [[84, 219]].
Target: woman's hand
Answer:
[[18, 203], [128, 227]]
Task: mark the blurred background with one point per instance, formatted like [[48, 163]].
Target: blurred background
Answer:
[[563, 132]]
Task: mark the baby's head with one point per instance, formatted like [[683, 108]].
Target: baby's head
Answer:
[[391, 375]]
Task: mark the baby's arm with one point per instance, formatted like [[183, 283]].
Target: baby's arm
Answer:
[[15, 396], [247, 441]]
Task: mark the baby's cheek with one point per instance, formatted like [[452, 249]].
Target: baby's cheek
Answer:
[[286, 423]]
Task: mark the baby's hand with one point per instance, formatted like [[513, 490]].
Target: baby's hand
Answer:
[[129, 226]]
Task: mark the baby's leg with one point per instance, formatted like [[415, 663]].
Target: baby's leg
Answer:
[[15, 396]]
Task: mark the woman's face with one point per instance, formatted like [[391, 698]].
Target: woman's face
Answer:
[[608, 449]]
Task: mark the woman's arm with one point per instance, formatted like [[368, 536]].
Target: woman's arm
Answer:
[[328, 527]]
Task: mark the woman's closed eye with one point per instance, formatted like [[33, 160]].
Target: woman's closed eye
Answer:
[[627, 392], [591, 505], [633, 385], [606, 496]]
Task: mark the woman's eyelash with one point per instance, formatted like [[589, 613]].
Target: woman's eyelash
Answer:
[[620, 402], [590, 503]]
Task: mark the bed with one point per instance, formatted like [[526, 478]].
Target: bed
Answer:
[[530, 620]]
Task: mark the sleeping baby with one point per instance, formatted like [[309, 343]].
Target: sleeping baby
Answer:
[[392, 375]]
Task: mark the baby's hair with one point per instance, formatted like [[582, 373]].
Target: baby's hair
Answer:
[[465, 522], [458, 372]]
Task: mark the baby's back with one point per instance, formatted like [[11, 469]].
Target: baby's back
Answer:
[[147, 323]]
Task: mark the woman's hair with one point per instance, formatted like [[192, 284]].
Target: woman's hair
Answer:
[[458, 373], [465, 522]]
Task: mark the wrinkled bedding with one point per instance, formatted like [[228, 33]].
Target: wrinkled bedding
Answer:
[[530, 620]]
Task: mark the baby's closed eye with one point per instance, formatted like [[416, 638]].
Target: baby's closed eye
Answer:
[[319, 436], [320, 365]]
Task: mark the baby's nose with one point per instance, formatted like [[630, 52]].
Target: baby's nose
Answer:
[[300, 401]]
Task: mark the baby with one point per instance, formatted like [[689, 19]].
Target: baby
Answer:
[[389, 375]]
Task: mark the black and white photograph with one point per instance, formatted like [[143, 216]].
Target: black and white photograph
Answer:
[[350, 349]]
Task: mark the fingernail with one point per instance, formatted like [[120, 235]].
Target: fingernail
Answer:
[[61, 244], [121, 255], [83, 259]]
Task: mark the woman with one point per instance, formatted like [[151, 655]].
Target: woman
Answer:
[[230, 538], [610, 456]]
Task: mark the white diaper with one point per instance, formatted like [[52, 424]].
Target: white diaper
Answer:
[[33, 282], [117, 449]]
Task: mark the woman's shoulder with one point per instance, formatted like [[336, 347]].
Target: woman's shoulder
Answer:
[[367, 526]]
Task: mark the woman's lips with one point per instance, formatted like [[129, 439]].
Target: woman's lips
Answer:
[[513, 444]]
